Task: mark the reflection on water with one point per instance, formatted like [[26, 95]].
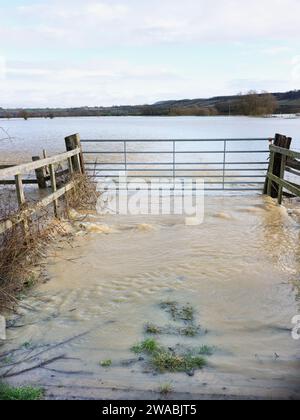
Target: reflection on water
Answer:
[[239, 269]]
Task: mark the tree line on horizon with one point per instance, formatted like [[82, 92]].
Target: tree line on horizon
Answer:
[[250, 104]]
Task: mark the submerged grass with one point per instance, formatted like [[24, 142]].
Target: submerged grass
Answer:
[[153, 329], [20, 393], [166, 389], [148, 346], [179, 313], [164, 360], [106, 363], [167, 361], [180, 358], [190, 330], [205, 350]]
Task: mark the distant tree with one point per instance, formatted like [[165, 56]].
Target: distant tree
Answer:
[[24, 114], [268, 103], [256, 104], [194, 110]]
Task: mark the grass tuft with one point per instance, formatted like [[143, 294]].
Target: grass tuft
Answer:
[[8, 393], [187, 313], [153, 329], [205, 351], [106, 363], [177, 312], [167, 361], [164, 360], [27, 345], [179, 359], [148, 346], [166, 389], [190, 331]]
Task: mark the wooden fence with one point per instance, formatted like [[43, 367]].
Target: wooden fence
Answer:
[[282, 160], [45, 171]]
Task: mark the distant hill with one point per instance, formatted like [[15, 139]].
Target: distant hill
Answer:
[[287, 103]]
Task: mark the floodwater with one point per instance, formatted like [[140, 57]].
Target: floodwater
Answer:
[[28, 138], [239, 269]]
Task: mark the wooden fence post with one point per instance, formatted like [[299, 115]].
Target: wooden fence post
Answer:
[[40, 174], [54, 188], [20, 191], [72, 142], [21, 200], [277, 166], [45, 157], [70, 164], [282, 170], [270, 170]]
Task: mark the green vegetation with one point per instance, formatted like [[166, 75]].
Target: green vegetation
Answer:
[[167, 361], [22, 393], [153, 329], [205, 351], [180, 358], [7, 360], [166, 389], [149, 346], [190, 331], [163, 360], [106, 363], [186, 313], [177, 312]]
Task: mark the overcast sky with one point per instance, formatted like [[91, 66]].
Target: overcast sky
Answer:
[[110, 52]]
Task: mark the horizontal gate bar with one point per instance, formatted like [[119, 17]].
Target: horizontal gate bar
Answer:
[[177, 163], [194, 189], [188, 189], [177, 170], [160, 152], [183, 176], [171, 140]]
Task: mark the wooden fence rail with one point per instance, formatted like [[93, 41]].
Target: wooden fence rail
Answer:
[[288, 161], [42, 167]]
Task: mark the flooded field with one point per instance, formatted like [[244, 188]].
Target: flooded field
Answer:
[[125, 279], [29, 138]]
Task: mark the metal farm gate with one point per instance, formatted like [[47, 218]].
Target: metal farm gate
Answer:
[[224, 164]]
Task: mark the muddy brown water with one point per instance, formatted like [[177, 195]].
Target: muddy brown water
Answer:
[[239, 270]]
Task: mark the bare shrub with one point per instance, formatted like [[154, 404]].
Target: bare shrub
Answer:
[[20, 251], [23, 246], [84, 195]]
